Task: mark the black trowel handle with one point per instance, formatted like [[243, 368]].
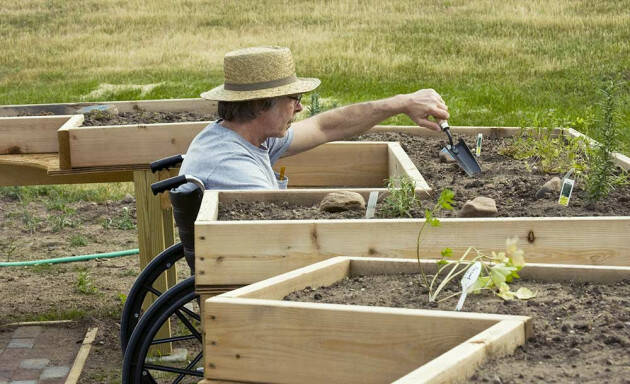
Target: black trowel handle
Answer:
[[446, 128]]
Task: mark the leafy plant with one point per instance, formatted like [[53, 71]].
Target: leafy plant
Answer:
[[78, 241], [401, 197], [601, 178], [317, 106], [84, 284], [551, 153], [497, 269], [124, 221]]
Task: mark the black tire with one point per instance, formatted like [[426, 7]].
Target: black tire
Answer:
[[172, 306], [132, 311]]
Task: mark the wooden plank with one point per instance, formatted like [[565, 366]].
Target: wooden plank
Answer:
[[63, 138], [619, 159], [134, 144], [32, 169], [23, 135], [460, 362], [338, 164], [197, 105], [82, 355], [249, 251], [401, 165], [153, 231], [281, 342], [316, 275]]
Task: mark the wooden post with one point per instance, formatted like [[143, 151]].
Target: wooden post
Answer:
[[155, 233]]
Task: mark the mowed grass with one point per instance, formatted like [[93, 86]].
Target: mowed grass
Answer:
[[495, 63]]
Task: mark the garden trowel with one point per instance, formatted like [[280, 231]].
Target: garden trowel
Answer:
[[460, 152]]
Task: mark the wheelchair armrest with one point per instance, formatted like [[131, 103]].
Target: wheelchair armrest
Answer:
[[166, 163]]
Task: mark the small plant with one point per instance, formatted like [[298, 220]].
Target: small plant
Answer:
[[78, 241], [546, 151], [401, 197], [314, 108], [84, 284], [317, 106], [123, 222], [497, 270], [8, 248], [601, 178], [61, 221]]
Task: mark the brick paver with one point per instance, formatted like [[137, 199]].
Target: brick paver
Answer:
[[38, 354]]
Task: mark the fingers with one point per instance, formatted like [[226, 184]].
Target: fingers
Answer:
[[428, 124]]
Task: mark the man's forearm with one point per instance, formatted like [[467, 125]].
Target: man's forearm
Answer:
[[354, 119]]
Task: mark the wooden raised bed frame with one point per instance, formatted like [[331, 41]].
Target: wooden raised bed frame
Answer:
[[252, 335], [243, 252]]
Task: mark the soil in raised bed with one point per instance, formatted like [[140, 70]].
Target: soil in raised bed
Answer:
[[97, 118], [508, 181], [581, 330]]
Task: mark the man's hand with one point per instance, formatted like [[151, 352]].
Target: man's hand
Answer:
[[424, 103]]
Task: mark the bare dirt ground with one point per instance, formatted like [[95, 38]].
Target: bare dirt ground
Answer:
[[91, 292]]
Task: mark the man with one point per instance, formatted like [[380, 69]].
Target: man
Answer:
[[257, 104]]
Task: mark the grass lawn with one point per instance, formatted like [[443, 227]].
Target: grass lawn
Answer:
[[495, 63]]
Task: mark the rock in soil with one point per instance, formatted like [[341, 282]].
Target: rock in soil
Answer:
[[342, 201]]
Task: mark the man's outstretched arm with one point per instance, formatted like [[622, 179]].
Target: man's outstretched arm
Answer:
[[354, 119]]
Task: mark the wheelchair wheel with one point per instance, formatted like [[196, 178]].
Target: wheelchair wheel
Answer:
[[179, 307], [132, 310]]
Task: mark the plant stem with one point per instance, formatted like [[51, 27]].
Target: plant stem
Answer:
[[449, 276]]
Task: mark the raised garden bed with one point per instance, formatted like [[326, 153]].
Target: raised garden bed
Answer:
[[243, 252], [253, 335]]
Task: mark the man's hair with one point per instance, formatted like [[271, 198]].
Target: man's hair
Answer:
[[243, 111]]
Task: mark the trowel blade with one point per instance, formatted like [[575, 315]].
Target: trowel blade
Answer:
[[465, 158]]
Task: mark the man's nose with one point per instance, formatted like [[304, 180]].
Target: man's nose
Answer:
[[298, 107]]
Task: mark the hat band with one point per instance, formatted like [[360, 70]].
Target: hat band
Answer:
[[261, 85]]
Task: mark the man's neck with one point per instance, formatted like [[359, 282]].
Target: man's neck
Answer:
[[249, 131]]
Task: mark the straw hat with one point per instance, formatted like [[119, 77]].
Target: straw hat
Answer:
[[257, 73]]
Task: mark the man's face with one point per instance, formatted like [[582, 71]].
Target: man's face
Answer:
[[279, 118]]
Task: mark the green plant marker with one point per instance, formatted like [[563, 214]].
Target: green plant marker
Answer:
[[565, 192], [478, 148]]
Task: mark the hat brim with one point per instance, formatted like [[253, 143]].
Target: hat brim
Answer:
[[302, 85]]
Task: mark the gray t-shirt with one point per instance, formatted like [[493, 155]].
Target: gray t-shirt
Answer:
[[223, 159]]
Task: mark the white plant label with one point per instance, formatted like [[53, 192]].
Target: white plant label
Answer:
[[371, 205], [478, 148], [471, 275], [565, 192]]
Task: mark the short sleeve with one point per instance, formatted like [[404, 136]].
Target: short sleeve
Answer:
[[278, 145]]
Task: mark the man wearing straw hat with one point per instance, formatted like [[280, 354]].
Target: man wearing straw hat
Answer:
[[257, 104]]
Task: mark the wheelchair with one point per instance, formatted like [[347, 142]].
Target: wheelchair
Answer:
[[177, 309]]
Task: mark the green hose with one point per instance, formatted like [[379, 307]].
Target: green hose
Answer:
[[71, 259]]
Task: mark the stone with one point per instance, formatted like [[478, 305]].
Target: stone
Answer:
[[34, 363], [342, 201], [54, 373], [21, 343], [128, 199], [446, 157], [480, 206], [550, 189]]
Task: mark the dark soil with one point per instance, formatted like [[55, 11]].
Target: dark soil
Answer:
[[507, 181], [97, 118], [581, 330]]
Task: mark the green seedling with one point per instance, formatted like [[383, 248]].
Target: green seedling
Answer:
[[84, 284], [78, 241], [401, 197]]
